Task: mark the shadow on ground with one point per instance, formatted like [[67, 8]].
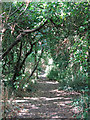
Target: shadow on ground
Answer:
[[46, 103]]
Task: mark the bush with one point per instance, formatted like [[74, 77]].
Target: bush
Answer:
[[53, 74]]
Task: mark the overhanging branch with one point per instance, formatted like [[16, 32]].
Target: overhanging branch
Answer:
[[18, 39], [36, 29]]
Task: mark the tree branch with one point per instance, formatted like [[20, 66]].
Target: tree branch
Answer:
[[54, 23], [36, 65], [20, 67], [16, 10], [24, 9], [36, 29], [18, 39], [27, 54], [17, 64]]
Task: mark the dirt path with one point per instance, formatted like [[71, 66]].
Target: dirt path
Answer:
[[47, 102]]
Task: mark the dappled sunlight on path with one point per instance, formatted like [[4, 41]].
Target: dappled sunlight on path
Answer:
[[47, 102]]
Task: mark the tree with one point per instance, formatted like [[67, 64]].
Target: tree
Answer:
[[55, 25]]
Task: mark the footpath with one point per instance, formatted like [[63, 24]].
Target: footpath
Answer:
[[47, 103]]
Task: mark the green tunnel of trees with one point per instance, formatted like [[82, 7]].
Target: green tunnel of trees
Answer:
[[35, 33], [59, 30]]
